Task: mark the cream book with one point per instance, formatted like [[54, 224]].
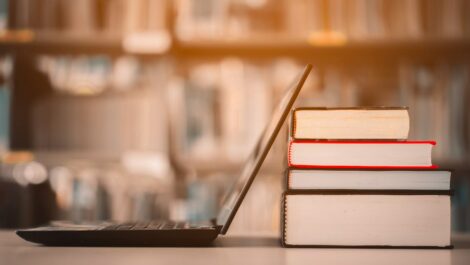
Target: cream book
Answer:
[[360, 154], [367, 219], [383, 123]]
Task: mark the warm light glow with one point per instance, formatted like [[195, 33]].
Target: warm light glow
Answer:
[[35, 172], [17, 157], [157, 42], [16, 35], [327, 38]]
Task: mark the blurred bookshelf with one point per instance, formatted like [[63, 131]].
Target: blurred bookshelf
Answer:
[[321, 53], [417, 50], [100, 88], [58, 43]]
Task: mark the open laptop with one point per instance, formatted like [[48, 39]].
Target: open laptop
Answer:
[[168, 233]]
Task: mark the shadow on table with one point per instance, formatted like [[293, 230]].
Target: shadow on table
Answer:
[[247, 241]]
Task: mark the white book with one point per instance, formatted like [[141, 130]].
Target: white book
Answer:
[[360, 154], [334, 179], [360, 220]]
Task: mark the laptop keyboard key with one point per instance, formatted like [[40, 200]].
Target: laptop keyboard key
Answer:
[[155, 225]]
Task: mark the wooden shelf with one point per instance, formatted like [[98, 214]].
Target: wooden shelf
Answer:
[[60, 43], [259, 47], [356, 51]]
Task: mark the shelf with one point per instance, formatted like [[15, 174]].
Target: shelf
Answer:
[[60, 43], [259, 47], [329, 52]]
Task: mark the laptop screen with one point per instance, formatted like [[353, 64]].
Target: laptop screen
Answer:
[[235, 195]]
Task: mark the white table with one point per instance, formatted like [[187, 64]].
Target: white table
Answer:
[[227, 250]]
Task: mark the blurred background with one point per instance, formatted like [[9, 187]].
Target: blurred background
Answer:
[[145, 109]]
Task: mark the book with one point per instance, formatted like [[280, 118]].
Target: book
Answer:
[[367, 219], [350, 123], [360, 154], [3, 14], [360, 179]]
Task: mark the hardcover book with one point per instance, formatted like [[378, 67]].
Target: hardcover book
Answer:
[[367, 179], [409, 219], [350, 123], [360, 154]]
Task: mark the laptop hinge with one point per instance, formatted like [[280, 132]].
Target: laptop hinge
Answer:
[[214, 222]]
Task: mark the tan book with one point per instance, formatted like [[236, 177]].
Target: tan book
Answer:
[[378, 123]]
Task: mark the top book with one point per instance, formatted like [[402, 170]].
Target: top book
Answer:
[[381, 123]]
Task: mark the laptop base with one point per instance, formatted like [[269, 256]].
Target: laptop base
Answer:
[[120, 235]]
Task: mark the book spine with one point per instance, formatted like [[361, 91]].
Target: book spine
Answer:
[[352, 108], [294, 121], [287, 179], [288, 172], [293, 126], [289, 154], [284, 210], [317, 141], [302, 166], [369, 192], [314, 166], [283, 219]]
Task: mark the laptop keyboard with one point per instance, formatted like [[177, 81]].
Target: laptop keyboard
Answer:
[[156, 225]]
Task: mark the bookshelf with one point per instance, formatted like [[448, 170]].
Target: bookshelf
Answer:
[[404, 57], [425, 49], [39, 43], [257, 48], [260, 47]]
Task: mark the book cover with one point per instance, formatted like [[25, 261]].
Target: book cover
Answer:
[[361, 123], [367, 179], [337, 218], [360, 154]]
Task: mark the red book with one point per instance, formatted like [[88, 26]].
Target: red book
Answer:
[[360, 154]]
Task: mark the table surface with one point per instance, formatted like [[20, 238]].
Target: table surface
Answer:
[[230, 249]]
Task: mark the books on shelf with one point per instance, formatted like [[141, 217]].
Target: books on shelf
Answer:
[[86, 16], [360, 154], [345, 192], [3, 14], [334, 20]]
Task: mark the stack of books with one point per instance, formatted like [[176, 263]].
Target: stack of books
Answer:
[[354, 180]]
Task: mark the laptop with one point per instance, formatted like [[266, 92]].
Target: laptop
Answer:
[[169, 233]]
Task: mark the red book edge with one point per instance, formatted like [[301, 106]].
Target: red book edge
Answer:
[[359, 142], [356, 142], [360, 167]]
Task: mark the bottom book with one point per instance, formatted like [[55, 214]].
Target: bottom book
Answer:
[[366, 219]]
